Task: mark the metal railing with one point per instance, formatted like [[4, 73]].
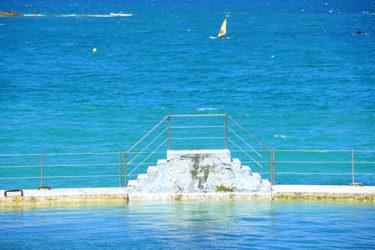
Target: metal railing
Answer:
[[334, 171], [47, 170], [338, 166], [30, 169], [225, 134]]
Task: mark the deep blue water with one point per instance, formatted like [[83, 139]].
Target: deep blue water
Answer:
[[57, 96]]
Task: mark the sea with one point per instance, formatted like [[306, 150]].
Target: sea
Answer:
[[294, 74]]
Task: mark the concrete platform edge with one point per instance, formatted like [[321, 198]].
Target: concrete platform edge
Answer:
[[279, 192]]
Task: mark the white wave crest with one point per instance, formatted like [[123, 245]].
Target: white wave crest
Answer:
[[119, 14], [282, 136], [204, 109], [94, 15], [34, 15], [68, 15]]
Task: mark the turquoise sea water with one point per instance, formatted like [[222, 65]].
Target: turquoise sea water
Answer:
[[57, 96]]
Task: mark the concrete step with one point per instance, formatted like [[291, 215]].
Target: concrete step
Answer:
[[264, 185], [265, 182], [141, 178], [236, 161], [132, 183], [256, 176], [163, 161], [246, 168], [151, 169]]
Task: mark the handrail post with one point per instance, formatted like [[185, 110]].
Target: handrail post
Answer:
[[119, 167], [273, 170], [41, 169], [271, 161], [226, 131], [354, 183], [126, 184], [353, 164], [169, 131]]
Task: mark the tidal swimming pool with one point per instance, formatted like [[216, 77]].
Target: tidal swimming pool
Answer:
[[180, 224]]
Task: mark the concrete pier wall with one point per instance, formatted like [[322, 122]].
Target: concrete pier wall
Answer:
[[68, 195], [320, 192], [279, 192]]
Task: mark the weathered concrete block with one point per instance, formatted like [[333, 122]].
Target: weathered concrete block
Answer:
[[199, 171]]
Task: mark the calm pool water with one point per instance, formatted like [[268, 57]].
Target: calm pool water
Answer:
[[192, 225]]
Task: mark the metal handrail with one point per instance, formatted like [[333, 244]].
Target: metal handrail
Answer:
[[245, 142], [55, 177], [146, 154], [42, 165], [60, 165], [148, 145], [197, 127], [203, 115], [195, 138], [147, 157], [333, 173], [322, 150], [278, 162], [249, 133], [246, 154], [87, 153], [165, 118]]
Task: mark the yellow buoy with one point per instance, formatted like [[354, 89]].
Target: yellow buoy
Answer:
[[94, 50]]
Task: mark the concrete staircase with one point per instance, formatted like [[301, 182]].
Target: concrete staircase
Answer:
[[198, 171]]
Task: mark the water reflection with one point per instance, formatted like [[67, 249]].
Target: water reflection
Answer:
[[191, 224]]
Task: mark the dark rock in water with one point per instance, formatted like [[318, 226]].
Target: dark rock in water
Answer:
[[10, 13]]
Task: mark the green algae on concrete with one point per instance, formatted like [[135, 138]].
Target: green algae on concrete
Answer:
[[224, 189]]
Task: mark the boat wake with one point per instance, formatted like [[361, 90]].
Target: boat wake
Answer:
[[214, 37], [95, 15]]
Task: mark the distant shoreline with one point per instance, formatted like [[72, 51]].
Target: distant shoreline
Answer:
[[14, 13], [10, 13]]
